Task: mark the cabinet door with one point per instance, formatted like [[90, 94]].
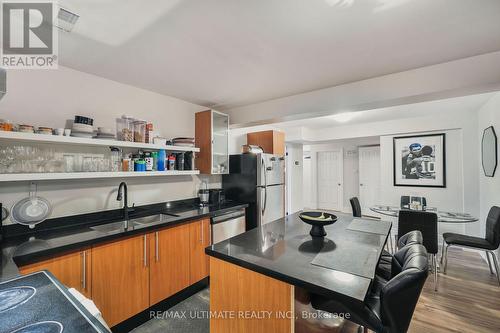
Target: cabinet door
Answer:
[[169, 271], [272, 142], [72, 269], [120, 278], [199, 240]]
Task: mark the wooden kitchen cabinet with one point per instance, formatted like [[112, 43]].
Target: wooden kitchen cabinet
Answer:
[[72, 269], [212, 137], [120, 278], [199, 233], [169, 268], [272, 142]]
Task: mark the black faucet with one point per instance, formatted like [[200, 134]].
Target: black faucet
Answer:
[[119, 197]]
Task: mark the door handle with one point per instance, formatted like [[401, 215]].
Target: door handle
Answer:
[[145, 251], [201, 232], [157, 252], [84, 270]]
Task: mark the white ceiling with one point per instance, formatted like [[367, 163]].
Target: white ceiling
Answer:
[[457, 105], [225, 53]]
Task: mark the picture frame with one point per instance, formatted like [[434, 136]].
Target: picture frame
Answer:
[[420, 160]]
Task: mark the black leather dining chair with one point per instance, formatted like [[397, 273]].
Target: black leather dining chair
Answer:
[[356, 212], [356, 207], [489, 244], [389, 307], [426, 223], [384, 267]]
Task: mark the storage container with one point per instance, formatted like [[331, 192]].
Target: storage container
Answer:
[[140, 131]]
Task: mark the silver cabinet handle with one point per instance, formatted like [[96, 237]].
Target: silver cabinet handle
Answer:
[[202, 236], [145, 251], [84, 270], [157, 252]]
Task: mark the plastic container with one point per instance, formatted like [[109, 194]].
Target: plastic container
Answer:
[[149, 133], [140, 165], [125, 128], [126, 164], [171, 162], [155, 160], [160, 162], [148, 158], [179, 161], [140, 131], [115, 159]]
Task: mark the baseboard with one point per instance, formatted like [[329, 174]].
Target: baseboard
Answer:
[[144, 316]]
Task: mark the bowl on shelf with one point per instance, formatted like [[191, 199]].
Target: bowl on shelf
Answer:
[[82, 128], [318, 220]]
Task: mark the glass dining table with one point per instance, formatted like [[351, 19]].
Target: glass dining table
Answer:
[[445, 217]]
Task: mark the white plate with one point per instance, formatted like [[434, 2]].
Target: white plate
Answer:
[[82, 135]]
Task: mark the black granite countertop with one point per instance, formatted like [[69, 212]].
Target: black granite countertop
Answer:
[[284, 250], [22, 246]]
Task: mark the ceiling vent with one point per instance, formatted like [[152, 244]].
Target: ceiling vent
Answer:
[[66, 20]]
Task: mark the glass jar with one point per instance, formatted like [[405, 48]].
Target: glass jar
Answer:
[[140, 131], [125, 128], [6, 125]]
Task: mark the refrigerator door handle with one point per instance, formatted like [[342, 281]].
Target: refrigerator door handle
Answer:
[[265, 186]]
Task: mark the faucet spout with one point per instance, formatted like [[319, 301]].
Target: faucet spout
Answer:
[[123, 195]]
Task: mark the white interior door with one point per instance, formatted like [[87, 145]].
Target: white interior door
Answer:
[[330, 180], [369, 177], [307, 185]]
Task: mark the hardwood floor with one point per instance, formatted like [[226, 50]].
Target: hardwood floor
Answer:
[[468, 301]]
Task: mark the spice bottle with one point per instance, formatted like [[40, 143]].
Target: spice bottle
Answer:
[[171, 162]]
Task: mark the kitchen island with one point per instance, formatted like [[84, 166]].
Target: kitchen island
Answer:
[[254, 277]]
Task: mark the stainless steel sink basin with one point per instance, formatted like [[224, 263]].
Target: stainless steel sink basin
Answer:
[[110, 227], [153, 219], [138, 222]]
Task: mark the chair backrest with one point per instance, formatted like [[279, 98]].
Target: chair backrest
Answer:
[[493, 226], [412, 237], [356, 207], [400, 295], [405, 201], [425, 222]]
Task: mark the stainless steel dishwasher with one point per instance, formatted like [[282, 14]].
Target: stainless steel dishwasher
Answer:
[[227, 225]]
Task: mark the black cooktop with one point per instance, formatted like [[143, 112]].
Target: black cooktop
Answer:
[[38, 303]]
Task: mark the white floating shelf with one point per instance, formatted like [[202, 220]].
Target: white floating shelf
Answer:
[[69, 140], [16, 177]]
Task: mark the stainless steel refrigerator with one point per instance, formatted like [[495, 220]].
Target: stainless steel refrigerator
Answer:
[[259, 180]]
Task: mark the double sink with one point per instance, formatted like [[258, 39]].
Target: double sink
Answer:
[[136, 223]]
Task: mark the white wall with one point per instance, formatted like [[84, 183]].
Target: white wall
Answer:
[[489, 115], [351, 167], [294, 164], [50, 97]]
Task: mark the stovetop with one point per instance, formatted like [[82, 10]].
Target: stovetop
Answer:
[[38, 303]]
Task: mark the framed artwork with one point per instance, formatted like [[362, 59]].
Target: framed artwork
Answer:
[[420, 160]]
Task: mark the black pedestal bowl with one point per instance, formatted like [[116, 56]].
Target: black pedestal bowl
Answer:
[[318, 220]]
